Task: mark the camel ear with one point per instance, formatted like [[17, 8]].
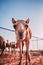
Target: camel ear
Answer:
[[27, 21], [13, 20]]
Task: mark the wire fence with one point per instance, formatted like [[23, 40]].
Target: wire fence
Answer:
[[36, 43]]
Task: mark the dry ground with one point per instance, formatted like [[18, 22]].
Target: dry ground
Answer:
[[11, 58]]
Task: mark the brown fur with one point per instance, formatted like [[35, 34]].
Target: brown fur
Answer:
[[2, 44], [27, 37]]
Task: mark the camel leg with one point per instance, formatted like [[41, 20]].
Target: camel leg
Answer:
[[20, 53], [22, 46], [2, 52], [27, 51], [26, 58]]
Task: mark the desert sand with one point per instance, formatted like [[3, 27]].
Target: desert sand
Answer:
[[13, 58]]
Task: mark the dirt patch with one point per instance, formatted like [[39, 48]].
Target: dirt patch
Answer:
[[9, 58]]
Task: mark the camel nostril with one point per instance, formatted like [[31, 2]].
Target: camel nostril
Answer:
[[20, 35]]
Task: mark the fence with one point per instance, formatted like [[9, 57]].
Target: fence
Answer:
[[36, 43]]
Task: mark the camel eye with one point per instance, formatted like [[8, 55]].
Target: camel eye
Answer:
[[14, 26]]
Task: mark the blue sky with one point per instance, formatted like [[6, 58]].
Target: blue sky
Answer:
[[21, 9]]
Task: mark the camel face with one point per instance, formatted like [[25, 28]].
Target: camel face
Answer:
[[20, 27]]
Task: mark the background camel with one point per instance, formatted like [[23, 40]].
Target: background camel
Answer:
[[3, 45]]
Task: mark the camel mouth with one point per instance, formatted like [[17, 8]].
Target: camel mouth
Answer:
[[20, 35]]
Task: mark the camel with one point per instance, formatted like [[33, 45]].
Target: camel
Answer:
[[2, 45], [23, 34]]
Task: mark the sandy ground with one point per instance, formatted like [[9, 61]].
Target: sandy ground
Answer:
[[11, 58]]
